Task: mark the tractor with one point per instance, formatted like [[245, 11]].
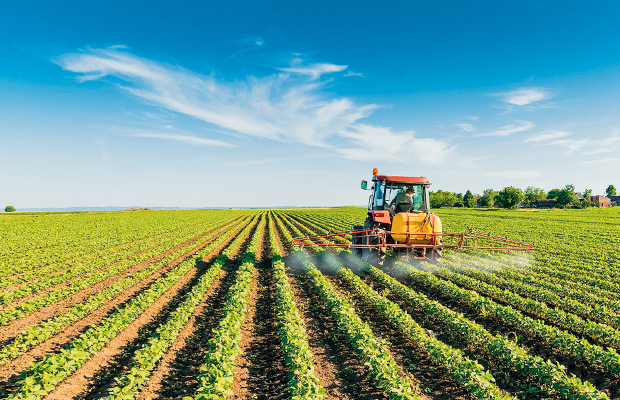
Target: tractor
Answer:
[[399, 221]]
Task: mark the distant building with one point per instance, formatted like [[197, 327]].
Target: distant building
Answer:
[[546, 203], [580, 196], [615, 199], [600, 201]]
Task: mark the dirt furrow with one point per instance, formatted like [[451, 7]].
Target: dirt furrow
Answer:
[[9, 373], [63, 270], [176, 374], [14, 328], [335, 363], [506, 379], [261, 372], [604, 381], [87, 379], [102, 268], [423, 371]]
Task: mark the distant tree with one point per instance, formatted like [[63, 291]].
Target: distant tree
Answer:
[[469, 200], [509, 197], [610, 191], [459, 199], [9, 209], [567, 197], [586, 203], [442, 199], [436, 199], [553, 193], [533, 194], [587, 193], [488, 198], [449, 199]]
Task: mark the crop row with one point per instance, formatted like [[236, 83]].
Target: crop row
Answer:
[[39, 333], [43, 376], [550, 376]]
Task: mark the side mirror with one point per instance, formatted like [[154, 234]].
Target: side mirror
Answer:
[[364, 185]]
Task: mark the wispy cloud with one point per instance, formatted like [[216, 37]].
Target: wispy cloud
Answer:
[[525, 96], [507, 130], [314, 70], [383, 144], [466, 127], [546, 136], [284, 106], [351, 73], [571, 145], [182, 138], [251, 42]]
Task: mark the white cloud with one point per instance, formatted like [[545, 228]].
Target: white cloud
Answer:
[[375, 143], [182, 138], [351, 73], [281, 107], [314, 70], [508, 130], [546, 136], [570, 144], [466, 127], [524, 96]]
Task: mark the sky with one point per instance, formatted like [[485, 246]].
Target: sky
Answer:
[[278, 103]]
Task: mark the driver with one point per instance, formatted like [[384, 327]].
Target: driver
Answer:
[[403, 202]]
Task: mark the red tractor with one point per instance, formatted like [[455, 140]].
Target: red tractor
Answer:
[[400, 222]]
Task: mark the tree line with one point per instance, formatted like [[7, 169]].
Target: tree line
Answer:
[[511, 197]]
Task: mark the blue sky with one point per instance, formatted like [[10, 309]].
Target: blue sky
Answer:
[[195, 104]]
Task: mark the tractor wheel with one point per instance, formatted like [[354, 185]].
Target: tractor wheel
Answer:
[[357, 239], [372, 255]]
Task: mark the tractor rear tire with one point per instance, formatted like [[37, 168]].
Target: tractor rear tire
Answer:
[[357, 239]]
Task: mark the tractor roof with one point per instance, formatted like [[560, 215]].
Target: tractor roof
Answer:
[[420, 180]]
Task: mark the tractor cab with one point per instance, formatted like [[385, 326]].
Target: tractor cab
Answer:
[[385, 191]]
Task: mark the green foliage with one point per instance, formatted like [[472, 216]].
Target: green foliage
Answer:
[[501, 349], [9, 209], [533, 194], [382, 368], [442, 199], [554, 193], [610, 191], [567, 197], [469, 200], [509, 197], [587, 193], [488, 198]]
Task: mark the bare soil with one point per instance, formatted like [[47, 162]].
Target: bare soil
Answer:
[[336, 365], [431, 377], [261, 372], [9, 372], [602, 380], [96, 375], [506, 379]]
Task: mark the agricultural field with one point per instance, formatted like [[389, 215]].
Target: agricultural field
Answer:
[[215, 304]]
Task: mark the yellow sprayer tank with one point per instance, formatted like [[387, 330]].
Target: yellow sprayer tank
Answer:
[[419, 225]]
